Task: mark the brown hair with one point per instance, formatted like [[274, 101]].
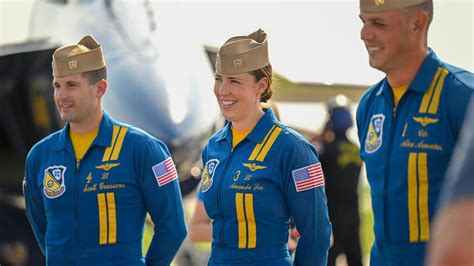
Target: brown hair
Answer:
[[265, 72], [95, 75], [425, 7]]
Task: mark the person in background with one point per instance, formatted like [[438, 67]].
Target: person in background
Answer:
[[340, 158], [408, 125], [89, 186], [257, 172], [453, 231]]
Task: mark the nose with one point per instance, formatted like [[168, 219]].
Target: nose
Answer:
[[60, 94], [366, 33], [221, 88]]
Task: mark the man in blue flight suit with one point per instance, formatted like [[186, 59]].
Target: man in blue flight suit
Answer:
[[408, 125], [89, 186]]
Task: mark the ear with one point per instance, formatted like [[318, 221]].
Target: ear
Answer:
[[262, 85], [420, 21], [101, 88]]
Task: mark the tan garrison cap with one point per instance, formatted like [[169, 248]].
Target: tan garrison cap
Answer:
[[81, 57], [372, 6], [243, 54]]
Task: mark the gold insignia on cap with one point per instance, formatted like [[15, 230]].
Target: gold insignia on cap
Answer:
[[379, 2], [72, 64], [237, 62]]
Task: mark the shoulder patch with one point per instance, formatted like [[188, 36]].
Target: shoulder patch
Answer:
[[165, 172], [208, 172], [308, 177], [373, 140], [53, 181]]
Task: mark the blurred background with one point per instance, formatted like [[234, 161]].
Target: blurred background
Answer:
[[160, 60]]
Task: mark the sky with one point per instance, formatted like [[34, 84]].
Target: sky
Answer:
[[316, 41]]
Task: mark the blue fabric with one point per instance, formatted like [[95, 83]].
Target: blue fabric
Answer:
[[67, 225], [232, 173], [459, 176], [388, 138], [341, 119]]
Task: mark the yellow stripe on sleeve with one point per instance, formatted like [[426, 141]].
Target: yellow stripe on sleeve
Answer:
[[412, 198], [250, 221], [242, 227], [118, 145], [423, 197], [108, 150], [102, 218]]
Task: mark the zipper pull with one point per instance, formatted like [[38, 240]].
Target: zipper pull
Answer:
[[78, 162]]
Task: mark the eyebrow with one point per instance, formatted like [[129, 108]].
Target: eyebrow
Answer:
[[69, 82], [234, 78]]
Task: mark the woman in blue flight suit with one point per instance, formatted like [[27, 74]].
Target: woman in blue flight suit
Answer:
[[258, 172]]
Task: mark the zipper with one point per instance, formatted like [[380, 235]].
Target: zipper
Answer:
[[218, 194], [386, 167], [78, 164]]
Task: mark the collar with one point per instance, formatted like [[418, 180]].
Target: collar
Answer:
[[104, 136], [423, 77], [258, 133]]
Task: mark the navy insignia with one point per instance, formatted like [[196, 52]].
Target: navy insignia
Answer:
[[107, 166], [379, 2], [424, 121], [237, 62], [53, 181], [253, 166], [208, 174], [72, 64], [374, 134]]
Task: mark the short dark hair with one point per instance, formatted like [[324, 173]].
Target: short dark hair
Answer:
[[425, 7], [95, 75], [262, 73]]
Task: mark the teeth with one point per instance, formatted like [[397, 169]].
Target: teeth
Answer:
[[373, 49], [227, 102]]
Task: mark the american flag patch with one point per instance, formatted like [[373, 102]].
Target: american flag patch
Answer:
[[165, 172], [308, 177]]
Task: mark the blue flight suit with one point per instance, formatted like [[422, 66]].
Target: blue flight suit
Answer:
[[92, 212], [249, 193], [406, 151]]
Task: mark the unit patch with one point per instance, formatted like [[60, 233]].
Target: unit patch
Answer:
[[374, 134], [53, 181], [208, 174]]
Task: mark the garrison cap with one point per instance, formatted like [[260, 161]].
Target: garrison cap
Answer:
[[84, 56], [372, 6], [243, 54]]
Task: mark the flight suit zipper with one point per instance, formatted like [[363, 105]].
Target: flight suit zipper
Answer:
[[78, 164], [387, 165], [219, 192]]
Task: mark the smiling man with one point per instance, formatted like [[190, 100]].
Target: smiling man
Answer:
[[89, 186], [408, 125]]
